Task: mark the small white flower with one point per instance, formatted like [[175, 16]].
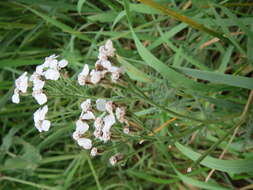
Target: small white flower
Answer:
[[87, 116], [115, 77], [83, 76], [109, 107], [113, 160], [95, 76], [45, 125], [38, 84], [39, 96], [100, 104], [106, 51], [39, 119], [15, 97], [98, 123], [63, 63], [76, 135], [40, 114], [98, 133], [86, 105], [93, 151], [40, 69], [108, 120], [126, 130], [106, 136], [120, 114], [50, 61], [22, 82], [81, 126], [109, 48], [34, 76], [189, 170], [52, 74], [103, 64], [85, 143]]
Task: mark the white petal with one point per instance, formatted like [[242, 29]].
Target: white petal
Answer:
[[109, 120], [40, 114], [100, 104], [76, 135], [86, 105], [86, 70], [115, 77], [93, 151], [109, 107], [22, 82], [45, 125], [120, 114], [15, 97], [126, 130], [52, 74], [63, 63], [106, 136], [53, 64], [39, 69], [95, 76], [102, 53], [87, 116], [38, 126], [113, 160], [85, 143], [34, 76], [81, 126], [98, 123], [38, 84], [82, 79], [109, 48], [41, 98]]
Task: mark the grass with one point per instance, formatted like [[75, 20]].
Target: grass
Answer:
[[188, 91]]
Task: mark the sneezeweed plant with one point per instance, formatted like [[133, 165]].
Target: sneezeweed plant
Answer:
[[93, 127]]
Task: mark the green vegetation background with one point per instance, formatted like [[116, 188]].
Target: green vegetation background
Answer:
[[190, 82]]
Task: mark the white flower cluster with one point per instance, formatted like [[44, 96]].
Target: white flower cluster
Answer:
[[102, 123], [103, 66], [49, 70]]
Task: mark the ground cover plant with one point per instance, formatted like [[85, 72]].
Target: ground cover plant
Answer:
[[172, 78]]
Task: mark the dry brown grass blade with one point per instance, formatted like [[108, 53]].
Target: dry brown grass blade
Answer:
[[214, 40]]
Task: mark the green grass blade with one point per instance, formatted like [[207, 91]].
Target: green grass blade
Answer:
[[230, 166], [58, 24], [133, 72], [197, 183], [237, 81]]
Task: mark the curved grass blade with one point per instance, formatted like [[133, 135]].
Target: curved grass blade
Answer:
[[230, 166], [197, 183], [133, 72], [238, 81], [184, 19]]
